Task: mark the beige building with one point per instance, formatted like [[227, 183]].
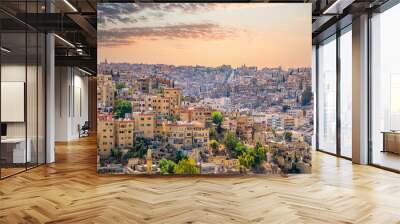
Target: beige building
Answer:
[[147, 85], [105, 91], [200, 136], [165, 103], [296, 113], [180, 134], [245, 128], [289, 123], [145, 124], [157, 103], [142, 103], [225, 162], [105, 136], [197, 114], [230, 125], [161, 126], [124, 133], [175, 94], [187, 134], [162, 105]]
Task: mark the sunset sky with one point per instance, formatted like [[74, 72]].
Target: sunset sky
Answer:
[[256, 34]]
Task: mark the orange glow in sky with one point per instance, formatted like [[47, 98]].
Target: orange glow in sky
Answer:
[[255, 34]]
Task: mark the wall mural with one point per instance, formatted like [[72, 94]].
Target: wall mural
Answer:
[[201, 88]]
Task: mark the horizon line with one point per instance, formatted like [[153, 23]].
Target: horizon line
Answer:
[[288, 67]]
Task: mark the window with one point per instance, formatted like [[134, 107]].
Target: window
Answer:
[[346, 93], [22, 65], [327, 95], [385, 89]]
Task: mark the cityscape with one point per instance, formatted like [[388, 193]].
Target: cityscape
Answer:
[[169, 119], [185, 89]]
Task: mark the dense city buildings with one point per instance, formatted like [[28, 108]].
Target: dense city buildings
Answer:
[[170, 119]]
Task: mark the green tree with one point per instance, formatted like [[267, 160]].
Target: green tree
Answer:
[[259, 155], [214, 146], [246, 160], [140, 147], [213, 133], [306, 96], [120, 85], [239, 150], [187, 166], [178, 156], [230, 141], [217, 119], [167, 166], [288, 136], [122, 107], [117, 154]]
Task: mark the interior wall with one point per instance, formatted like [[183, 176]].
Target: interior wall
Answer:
[[15, 73], [71, 102], [61, 103], [31, 127], [80, 102]]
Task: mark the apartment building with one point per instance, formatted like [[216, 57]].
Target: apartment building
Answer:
[[180, 134], [124, 133], [105, 136], [198, 114], [105, 90], [230, 124], [245, 128], [143, 102], [145, 124], [175, 94], [289, 123], [187, 135], [200, 135], [162, 105], [147, 85]]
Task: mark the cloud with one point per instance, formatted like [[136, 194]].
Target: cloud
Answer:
[[116, 12], [126, 36], [130, 12]]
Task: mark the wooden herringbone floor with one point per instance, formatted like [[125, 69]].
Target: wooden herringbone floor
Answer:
[[70, 191]]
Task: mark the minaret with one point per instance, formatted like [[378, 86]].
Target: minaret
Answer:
[[149, 161]]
